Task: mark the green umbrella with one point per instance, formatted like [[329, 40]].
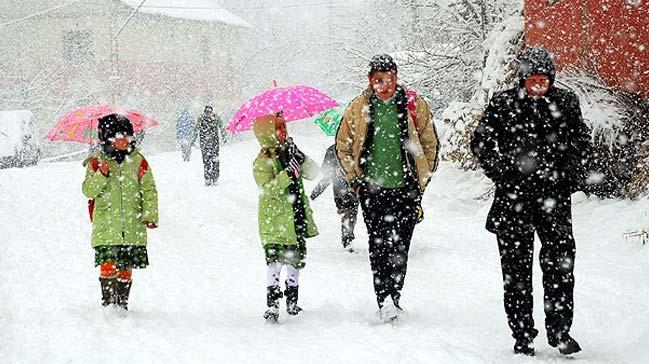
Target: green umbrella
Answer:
[[329, 120]]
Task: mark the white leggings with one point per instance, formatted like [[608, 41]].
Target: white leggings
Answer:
[[274, 272]]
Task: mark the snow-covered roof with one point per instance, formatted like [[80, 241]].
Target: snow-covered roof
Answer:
[[202, 10]]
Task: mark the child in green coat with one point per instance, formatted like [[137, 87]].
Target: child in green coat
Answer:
[[285, 217], [123, 204]]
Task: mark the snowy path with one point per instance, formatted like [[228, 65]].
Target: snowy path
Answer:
[[202, 298]]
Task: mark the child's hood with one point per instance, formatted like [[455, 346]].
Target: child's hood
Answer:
[[264, 128]]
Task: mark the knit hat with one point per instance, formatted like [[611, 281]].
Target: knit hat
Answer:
[[111, 125], [536, 61], [382, 63]]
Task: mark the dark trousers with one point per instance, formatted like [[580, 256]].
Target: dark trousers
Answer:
[[211, 162], [347, 223], [557, 257], [186, 150], [390, 216]]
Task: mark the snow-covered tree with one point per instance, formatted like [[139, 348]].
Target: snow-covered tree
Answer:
[[447, 48]]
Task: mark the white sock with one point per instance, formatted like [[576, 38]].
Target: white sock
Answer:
[[273, 275], [292, 276]]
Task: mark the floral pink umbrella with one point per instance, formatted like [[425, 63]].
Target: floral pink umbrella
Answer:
[[295, 102], [80, 125]]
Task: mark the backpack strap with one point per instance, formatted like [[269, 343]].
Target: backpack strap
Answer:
[[411, 96], [94, 164], [144, 167]]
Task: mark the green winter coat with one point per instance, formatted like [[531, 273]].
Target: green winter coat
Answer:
[[276, 217], [122, 201]]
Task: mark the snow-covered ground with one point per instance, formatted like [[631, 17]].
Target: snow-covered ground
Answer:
[[202, 298]]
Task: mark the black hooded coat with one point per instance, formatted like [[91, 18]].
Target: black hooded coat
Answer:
[[534, 149]]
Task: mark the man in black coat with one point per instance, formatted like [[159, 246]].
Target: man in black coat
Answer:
[[532, 142], [209, 129], [346, 201]]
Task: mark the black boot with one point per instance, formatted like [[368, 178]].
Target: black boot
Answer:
[[123, 291], [566, 344], [525, 343], [273, 295], [347, 244], [524, 346], [108, 290], [291, 300]]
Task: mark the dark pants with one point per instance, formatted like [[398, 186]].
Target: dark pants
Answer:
[[557, 257], [390, 216], [186, 150], [211, 162], [347, 223]]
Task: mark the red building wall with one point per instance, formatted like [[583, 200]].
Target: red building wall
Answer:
[[607, 37]]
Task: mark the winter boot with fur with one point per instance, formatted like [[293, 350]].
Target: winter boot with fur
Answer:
[[273, 295], [108, 290], [566, 344], [123, 291], [291, 300]]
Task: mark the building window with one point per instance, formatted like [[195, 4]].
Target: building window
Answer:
[[78, 47]]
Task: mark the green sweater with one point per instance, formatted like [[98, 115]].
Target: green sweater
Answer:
[[385, 168]]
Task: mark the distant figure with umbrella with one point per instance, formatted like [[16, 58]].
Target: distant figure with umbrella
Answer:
[[209, 129], [184, 132], [332, 173], [345, 200]]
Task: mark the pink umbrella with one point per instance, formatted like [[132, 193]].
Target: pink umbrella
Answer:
[[80, 125], [295, 102]]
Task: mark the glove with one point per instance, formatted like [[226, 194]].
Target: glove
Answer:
[[150, 225], [293, 168], [294, 152], [420, 214], [103, 168]]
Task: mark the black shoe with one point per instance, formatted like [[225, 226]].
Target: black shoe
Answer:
[[565, 343], [291, 294], [108, 290], [122, 293], [524, 346], [273, 295], [271, 315], [348, 246]]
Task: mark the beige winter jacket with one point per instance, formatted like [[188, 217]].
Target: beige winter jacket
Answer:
[[353, 130]]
